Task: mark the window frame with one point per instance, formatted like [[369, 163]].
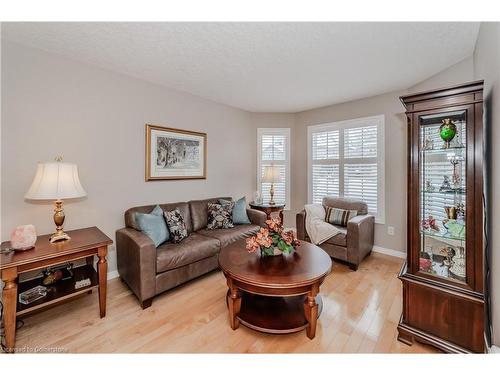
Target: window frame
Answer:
[[275, 131], [379, 121]]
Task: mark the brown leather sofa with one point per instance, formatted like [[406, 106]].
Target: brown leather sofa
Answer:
[[352, 247], [149, 271]]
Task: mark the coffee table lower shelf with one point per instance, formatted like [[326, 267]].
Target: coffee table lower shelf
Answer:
[[274, 314]]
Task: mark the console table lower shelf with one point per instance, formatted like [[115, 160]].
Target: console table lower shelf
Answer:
[[278, 315], [58, 292]]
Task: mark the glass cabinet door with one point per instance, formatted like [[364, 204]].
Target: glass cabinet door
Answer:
[[443, 194]]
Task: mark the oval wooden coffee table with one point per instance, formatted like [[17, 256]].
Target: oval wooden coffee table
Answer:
[[277, 294]]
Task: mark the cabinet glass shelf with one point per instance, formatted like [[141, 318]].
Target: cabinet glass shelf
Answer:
[[448, 192], [450, 150], [443, 194], [445, 236]]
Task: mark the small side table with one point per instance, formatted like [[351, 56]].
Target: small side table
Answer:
[[269, 208], [84, 244]]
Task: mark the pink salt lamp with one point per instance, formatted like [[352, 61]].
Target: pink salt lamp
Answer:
[[23, 237]]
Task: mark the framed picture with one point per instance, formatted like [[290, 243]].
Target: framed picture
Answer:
[[174, 154]]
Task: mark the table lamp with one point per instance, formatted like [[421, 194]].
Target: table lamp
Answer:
[[271, 175], [56, 181]]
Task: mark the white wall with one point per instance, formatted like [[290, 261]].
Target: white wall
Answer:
[[461, 72], [95, 118], [487, 67]]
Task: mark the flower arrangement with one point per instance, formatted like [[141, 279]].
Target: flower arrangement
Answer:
[[273, 240]]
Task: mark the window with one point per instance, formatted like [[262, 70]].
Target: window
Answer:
[[273, 148], [346, 159]]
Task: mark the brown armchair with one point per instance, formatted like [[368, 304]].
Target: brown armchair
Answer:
[[352, 247]]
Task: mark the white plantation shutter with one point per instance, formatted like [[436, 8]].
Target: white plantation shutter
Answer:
[[360, 142], [325, 168], [326, 145], [274, 149], [325, 181], [360, 182], [346, 159]]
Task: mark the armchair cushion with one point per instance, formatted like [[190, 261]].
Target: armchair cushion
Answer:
[[339, 239], [338, 216]]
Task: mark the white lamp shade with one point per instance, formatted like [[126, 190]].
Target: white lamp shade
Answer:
[[271, 174], [56, 180]]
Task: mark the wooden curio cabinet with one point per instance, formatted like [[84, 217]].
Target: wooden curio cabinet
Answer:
[[443, 297]]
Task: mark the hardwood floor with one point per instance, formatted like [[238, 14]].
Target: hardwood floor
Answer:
[[360, 315]]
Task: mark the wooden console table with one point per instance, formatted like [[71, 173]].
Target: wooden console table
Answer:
[[84, 244]]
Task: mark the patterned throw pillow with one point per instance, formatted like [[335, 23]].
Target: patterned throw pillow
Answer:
[[176, 225], [337, 216], [220, 215]]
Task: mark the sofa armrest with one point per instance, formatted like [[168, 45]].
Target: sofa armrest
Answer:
[[360, 234], [300, 221], [257, 217], [136, 260]]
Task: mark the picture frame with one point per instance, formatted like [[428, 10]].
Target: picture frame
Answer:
[[175, 154]]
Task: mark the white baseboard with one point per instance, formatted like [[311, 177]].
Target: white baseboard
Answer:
[[113, 275], [390, 252]]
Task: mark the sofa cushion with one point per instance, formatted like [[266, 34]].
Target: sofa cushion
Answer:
[[199, 212], [182, 206], [153, 225], [219, 215], [239, 213], [192, 249], [228, 236], [339, 239], [176, 225]]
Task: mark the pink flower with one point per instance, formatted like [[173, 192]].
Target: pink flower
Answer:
[[252, 244], [274, 224]]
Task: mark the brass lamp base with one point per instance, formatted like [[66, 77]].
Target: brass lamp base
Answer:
[[59, 237], [59, 217]]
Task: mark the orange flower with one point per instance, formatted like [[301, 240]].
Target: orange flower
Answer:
[[252, 244], [274, 224]]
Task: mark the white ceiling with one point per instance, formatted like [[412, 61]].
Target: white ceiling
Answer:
[[262, 67]]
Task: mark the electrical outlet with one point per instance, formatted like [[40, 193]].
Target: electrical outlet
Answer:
[[390, 231]]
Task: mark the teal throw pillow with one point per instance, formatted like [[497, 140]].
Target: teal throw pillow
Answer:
[[239, 211], [153, 225]]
